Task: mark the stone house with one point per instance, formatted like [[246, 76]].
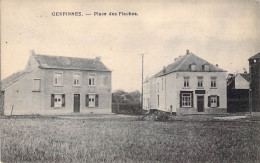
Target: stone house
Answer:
[[190, 85], [58, 85]]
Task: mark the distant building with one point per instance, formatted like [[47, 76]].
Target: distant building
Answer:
[[190, 85], [58, 85], [238, 93], [254, 68]]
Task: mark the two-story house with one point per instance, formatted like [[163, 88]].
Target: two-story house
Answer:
[[58, 85], [189, 85]]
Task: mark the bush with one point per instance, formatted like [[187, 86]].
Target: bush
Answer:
[[160, 116]]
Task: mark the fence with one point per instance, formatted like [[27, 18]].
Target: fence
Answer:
[[238, 100], [131, 109]]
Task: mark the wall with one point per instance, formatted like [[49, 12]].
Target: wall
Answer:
[[19, 95], [104, 91], [254, 68], [241, 83], [219, 91], [173, 84]]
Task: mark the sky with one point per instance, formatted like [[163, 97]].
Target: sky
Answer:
[[226, 33]]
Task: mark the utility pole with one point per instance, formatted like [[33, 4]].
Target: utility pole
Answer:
[[142, 81]]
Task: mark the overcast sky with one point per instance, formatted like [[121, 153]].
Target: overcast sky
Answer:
[[222, 32]]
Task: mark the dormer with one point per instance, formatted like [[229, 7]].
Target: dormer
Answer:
[[205, 67], [193, 66]]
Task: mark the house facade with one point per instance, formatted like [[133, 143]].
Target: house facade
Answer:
[[58, 85], [190, 85], [254, 69]]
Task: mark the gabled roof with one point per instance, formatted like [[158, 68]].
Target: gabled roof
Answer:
[[255, 56], [246, 76], [13, 78], [61, 62], [182, 63]]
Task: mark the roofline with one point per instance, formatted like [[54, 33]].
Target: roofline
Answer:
[[3, 89], [188, 71], [74, 69]]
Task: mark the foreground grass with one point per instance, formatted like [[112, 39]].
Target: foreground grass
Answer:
[[128, 140]]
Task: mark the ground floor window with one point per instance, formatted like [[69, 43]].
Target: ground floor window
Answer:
[[58, 100], [186, 99], [91, 100], [213, 101]]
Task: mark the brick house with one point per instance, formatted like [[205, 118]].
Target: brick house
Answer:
[[58, 85], [190, 85]]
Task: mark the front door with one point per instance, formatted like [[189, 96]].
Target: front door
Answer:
[[76, 102], [200, 103]]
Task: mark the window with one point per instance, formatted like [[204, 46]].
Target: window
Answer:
[[158, 86], [162, 83], [213, 83], [193, 67], [186, 99], [91, 79], [76, 79], [158, 100], [213, 101], [37, 85], [200, 82], [186, 82], [91, 100], [105, 80], [205, 67], [58, 100], [57, 79]]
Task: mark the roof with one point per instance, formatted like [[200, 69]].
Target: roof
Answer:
[[245, 76], [183, 63], [61, 62], [255, 56], [13, 78]]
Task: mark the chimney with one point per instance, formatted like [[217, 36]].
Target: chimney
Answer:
[[32, 52], [217, 65], [187, 51], [98, 58], [164, 69]]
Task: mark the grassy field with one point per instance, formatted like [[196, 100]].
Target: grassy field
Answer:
[[127, 139]]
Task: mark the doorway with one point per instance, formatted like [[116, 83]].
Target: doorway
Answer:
[[200, 103], [76, 102]]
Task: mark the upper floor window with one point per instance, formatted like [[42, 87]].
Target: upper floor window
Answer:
[[158, 87], [58, 79], [213, 83], [193, 67], [162, 83], [37, 85], [205, 67], [91, 79], [105, 80], [76, 79], [186, 83], [200, 82]]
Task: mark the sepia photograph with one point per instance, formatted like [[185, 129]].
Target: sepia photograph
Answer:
[[130, 81]]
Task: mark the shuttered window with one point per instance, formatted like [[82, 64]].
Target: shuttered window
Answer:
[[57, 100], [92, 100], [213, 101]]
